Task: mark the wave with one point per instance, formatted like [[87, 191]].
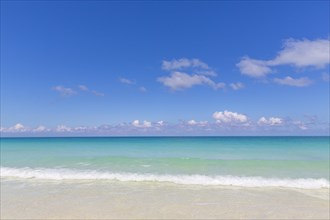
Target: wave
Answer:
[[70, 174]]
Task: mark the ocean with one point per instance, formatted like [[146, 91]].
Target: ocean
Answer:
[[290, 162]]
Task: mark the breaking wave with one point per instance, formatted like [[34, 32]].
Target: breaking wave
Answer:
[[71, 174]]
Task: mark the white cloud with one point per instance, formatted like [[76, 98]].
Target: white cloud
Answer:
[[196, 73], [237, 86], [183, 63], [192, 122], [126, 81], [136, 123], [63, 128], [289, 81], [40, 128], [18, 128], [83, 88], [325, 77], [270, 121], [298, 53], [253, 68], [180, 80], [229, 117], [81, 128], [226, 123], [70, 92], [144, 124], [142, 89], [98, 93], [303, 53], [203, 123], [199, 123], [303, 127], [64, 91], [206, 72], [160, 123], [300, 125]]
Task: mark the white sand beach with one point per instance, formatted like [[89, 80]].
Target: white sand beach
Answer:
[[128, 200]]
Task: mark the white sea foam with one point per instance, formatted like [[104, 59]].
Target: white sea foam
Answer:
[[70, 174]]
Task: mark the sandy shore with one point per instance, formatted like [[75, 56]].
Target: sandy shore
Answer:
[[119, 200]]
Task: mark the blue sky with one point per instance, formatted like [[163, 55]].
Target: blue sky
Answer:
[[164, 68]]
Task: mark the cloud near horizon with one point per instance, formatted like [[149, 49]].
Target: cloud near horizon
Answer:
[[197, 123], [270, 121], [229, 117], [225, 121], [144, 124]]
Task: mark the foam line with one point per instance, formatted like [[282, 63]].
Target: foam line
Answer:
[[70, 174]]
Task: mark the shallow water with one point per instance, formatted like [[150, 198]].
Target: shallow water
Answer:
[[295, 162]]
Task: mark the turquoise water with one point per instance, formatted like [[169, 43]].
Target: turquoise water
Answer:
[[212, 160]]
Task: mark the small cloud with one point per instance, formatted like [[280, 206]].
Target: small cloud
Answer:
[[160, 123], [220, 85], [81, 128], [142, 89], [237, 86], [144, 124], [270, 121], [199, 123], [229, 117], [206, 72], [97, 93], [86, 89], [66, 92], [300, 125], [180, 80], [177, 64], [18, 128], [40, 128], [289, 81], [192, 122], [325, 77], [253, 68], [127, 81], [196, 73], [83, 88], [63, 128]]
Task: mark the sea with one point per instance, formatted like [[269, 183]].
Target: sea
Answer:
[[288, 162]]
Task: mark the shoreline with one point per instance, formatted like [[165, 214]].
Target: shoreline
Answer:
[[136, 200]]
